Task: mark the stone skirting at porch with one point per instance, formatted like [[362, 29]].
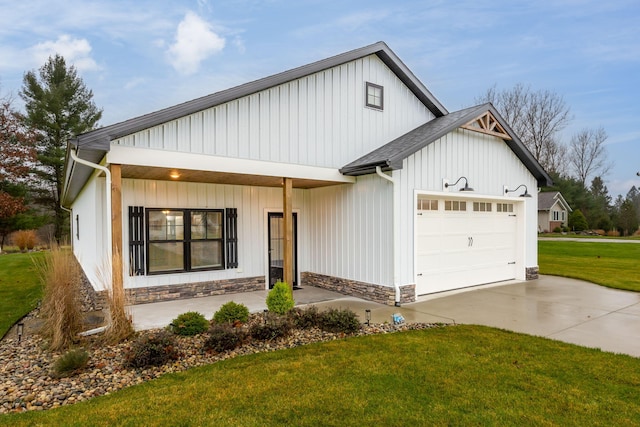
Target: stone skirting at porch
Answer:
[[194, 290], [377, 293], [531, 273]]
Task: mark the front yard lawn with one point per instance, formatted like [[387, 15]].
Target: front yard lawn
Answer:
[[614, 265], [460, 375], [20, 288]]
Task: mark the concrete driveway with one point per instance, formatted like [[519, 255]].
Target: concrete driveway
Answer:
[[568, 310]]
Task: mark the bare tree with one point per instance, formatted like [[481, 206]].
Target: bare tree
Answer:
[[537, 117], [588, 155]]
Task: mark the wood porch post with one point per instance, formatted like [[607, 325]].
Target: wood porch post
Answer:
[[287, 214], [116, 227]]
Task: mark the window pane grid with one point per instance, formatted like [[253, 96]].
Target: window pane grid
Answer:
[[185, 240]]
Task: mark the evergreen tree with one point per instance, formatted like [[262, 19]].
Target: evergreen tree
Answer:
[[577, 221], [634, 197], [58, 106], [599, 215], [628, 218]]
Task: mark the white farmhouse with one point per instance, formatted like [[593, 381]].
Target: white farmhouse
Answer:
[[346, 174]]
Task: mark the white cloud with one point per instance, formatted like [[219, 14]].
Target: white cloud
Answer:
[[74, 51], [195, 41]]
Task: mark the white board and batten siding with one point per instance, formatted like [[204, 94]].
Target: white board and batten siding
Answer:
[[489, 165], [318, 120], [351, 233], [89, 232], [252, 204]]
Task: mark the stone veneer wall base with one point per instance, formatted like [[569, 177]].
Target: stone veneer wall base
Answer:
[[532, 273], [194, 290], [377, 293]]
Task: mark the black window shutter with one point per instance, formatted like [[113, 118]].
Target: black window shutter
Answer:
[[136, 241], [232, 237]]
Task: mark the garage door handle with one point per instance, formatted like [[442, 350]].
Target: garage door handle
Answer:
[[470, 242], [419, 274]]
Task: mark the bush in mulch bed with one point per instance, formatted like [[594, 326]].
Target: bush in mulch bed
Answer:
[[152, 350], [224, 337], [189, 324]]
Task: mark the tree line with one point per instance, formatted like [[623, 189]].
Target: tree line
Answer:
[[577, 166], [58, 107]]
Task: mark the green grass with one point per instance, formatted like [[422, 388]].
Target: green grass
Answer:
[[458, 375], [614, 265], [20, 288]]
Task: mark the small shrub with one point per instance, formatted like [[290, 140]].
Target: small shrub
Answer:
[[223, 337], [280, 299], [557, 230], [189, 323], [231, 312], [305, 318], [25, 239], [339, 320], [274, 327], [152, 350], [70, 363]]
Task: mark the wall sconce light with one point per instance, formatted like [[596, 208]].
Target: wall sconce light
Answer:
[[20, 330], [367, 316], [525, 194], [466, 184]]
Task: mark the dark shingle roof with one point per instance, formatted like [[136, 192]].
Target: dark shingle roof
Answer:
[[391, 155], [546, 200]]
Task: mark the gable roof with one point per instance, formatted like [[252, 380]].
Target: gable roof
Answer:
[[100, 138], [547, 199], [391, 155], [93, 145]]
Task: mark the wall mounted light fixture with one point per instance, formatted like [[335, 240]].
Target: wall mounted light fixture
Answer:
[[466, 184], [525, 194]]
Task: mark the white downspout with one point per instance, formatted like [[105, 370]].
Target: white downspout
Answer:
[[395, 232], [107, 174]]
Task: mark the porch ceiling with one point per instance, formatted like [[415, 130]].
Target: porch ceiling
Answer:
[[164, 174]]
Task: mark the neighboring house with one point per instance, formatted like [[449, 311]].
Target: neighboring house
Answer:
[[344, 174], [553, 211]]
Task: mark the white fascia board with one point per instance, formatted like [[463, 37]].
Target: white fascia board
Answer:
[[202, 162]]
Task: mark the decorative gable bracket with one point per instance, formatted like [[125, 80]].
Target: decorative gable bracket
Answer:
[[487, 124]]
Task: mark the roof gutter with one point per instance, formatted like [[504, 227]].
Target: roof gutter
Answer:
[[109, 283], [395, 244], [107, 173]]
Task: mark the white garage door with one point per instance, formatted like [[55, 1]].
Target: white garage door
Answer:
[[462, 243]]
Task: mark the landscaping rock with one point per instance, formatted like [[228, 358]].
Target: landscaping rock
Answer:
[[25, 367]]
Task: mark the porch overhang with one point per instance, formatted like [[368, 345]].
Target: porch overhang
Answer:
[[163, 165]]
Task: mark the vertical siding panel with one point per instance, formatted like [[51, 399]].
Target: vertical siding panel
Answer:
[[254, 126], [232, 129], [183, 134], [243, 128], [294, 127], [197, 140], [220, 131], [284, 132], [304, 149], [208, 131]]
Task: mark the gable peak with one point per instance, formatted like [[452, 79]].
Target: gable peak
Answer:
[[486, 123]]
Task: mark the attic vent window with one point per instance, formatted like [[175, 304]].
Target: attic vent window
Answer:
[[375, 95]]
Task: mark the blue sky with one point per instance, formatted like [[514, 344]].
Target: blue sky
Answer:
[[140, 56]]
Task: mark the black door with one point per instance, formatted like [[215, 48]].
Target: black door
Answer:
[[276, 248]]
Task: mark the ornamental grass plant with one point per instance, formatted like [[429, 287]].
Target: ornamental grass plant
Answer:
[[60, 275]]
